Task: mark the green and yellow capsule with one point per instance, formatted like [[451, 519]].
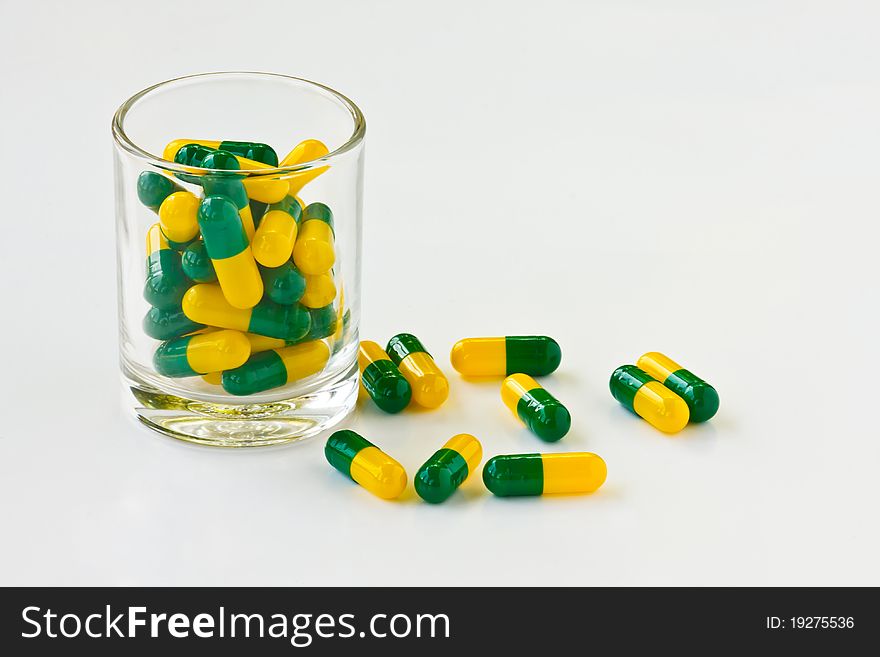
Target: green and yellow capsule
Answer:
[[381, 379], [649, 399], [512, 475], [162, 324], [541, 412], [429, 385], [701, 398], [448, 468], [166, 283], [153, 188], [197, 263], [536, 355], [197, 354], [276, 235], [358, 458], [229, 250], [284, 284], [205, 303], [314, 251], [276, 368]]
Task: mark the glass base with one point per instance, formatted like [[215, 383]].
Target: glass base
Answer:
[[246, 425]]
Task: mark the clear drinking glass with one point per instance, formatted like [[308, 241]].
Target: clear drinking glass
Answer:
[[309, 388]]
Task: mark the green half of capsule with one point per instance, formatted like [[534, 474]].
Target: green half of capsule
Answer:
[[153, 188], [166, 282], [197, 263], [252, 150], [386, 386], [192, 155], [323, 322], [284, 284], [162, 324], [224, 184], [291, 323], [258, 209], [536, 355], [291, 206], [222, 230]]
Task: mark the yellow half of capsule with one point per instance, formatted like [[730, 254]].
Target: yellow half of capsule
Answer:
[[213, 378], [320, 291], [178, 216], [240, 279], [369, 352], [273, 243], [513, 389], [217, 351], [205, 303], [304, 359], [305, 151], [469, 448], [156, 241], [264, 343], [378, 473], [314, 251], [429, 385], [574, 472], [480, 356], [658, 365], [661, 407]]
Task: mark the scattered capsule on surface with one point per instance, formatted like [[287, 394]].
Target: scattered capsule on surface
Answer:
[[153, 188], [448, 468], [197, 263], [259, 188], [541, 412], [320, 291], [205, 304], [276, 367], [358, 458], [252, 150], [305, 151], [648, 398], [177, 217], [536, 355], [197, 354], [284, 284], [166, 282], [162, 324], [701, 398], [230, 252], [381, 379], [429, 385], [314, 251], [228, 185], [544, 474], [273, 242]]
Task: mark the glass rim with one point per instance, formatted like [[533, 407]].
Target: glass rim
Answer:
[[123, 141]]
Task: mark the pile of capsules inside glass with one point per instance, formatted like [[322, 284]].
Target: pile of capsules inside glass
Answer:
[[657, 389], [239, 271]]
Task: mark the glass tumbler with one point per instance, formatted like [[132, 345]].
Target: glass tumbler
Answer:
[[238, 223]]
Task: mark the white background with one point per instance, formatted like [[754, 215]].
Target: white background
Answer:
[[698, 178]]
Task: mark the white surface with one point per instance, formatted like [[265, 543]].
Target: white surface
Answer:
[[697, 178]]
